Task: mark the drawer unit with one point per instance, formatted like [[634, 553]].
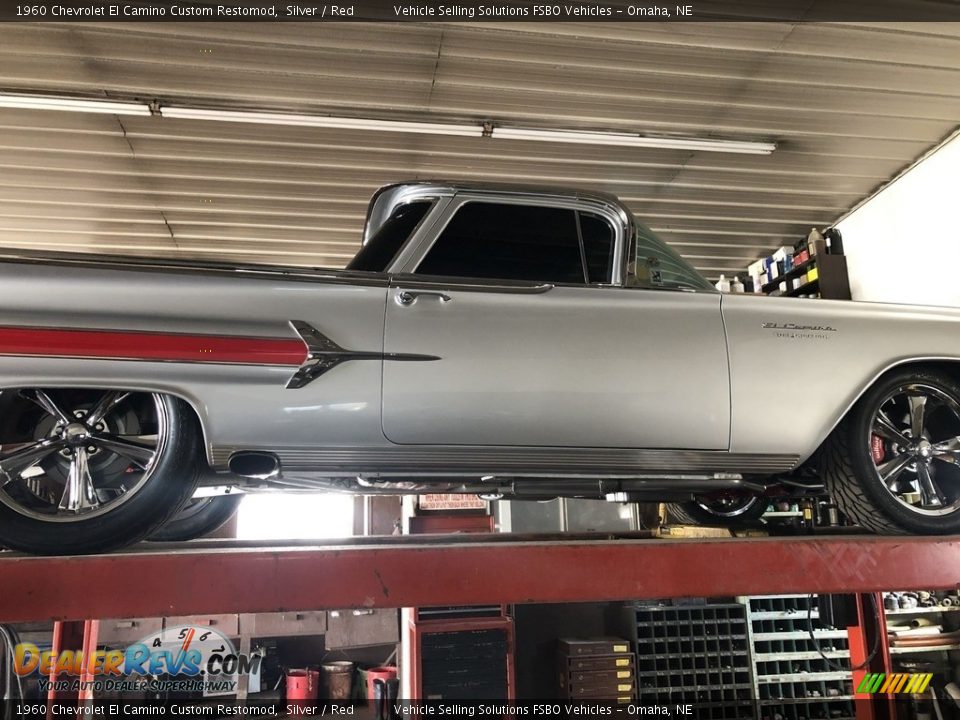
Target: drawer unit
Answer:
[[309, 622], [356, 628], [118, 633], [229, 625], [465, 664]]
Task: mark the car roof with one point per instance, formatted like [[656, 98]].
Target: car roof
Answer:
[[384, 199], [511, 188]]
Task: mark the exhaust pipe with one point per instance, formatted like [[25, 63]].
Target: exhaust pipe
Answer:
[[255, 465]]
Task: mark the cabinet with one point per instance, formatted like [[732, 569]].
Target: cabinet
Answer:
[[228, 625], [358, 628], [792, 678], [120, 633], [692, 652], [310, 622]]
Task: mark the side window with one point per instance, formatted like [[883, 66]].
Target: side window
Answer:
[[507, 241], [653, 263], [379, 251], [598, 244]]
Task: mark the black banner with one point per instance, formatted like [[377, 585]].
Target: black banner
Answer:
[[678, 709], [479, 11]]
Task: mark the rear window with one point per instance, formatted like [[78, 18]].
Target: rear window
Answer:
[[377, 254]]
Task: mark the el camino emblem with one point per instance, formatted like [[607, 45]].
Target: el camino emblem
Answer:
[[798, 328]]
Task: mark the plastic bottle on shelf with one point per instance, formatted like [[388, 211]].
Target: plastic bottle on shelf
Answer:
[[736, 286], [723, 285]]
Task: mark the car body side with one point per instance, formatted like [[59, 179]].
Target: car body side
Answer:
[[718, 371]]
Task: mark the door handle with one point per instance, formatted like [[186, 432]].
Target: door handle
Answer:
[[409, 297]]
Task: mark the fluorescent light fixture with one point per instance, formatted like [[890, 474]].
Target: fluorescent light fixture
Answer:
[[323, 121], [633, 140], [50, 102]]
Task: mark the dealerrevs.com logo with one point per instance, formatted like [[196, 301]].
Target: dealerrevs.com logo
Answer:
[[178, 659]]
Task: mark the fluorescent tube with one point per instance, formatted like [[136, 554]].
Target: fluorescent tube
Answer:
[[633, 140], [322, 121], [49, 102]]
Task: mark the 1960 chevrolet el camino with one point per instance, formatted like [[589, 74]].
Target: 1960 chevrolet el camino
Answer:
[[503, 341]]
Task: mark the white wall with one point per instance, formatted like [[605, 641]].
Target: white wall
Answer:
[[903, 245]]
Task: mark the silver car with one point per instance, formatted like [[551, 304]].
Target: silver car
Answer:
[[509, 342]]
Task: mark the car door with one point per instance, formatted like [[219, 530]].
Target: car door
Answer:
[[538, 346]]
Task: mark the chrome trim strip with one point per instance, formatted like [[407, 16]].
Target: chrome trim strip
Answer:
[[245, 270], [436, 282], [555, 462], [324, 354]]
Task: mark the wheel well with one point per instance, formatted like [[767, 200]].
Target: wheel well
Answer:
[[946, 366], [189, 402]]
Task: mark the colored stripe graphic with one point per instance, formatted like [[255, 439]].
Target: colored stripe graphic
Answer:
[[121, 345], [896, 683]]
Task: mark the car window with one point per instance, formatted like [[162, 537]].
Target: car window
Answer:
[[653, 263], [378, 252], [598, 245], [509, 241]]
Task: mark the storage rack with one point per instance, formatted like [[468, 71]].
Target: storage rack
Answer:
[[792, 679], [694, 652], [829, 278], [937, 659]]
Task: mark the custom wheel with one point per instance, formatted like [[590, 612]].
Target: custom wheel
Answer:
[[85, 471], [720, 509], [892, 465], [198, 518]]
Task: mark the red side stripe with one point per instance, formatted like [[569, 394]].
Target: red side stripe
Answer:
[[150, 346]]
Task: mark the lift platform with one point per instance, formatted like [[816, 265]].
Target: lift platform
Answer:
[[424, 571]]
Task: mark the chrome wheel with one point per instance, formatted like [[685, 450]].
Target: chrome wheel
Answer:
[[914, 442], [70, 455], [728, 505]]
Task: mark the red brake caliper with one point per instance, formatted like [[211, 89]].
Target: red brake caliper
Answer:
[[877, 449]]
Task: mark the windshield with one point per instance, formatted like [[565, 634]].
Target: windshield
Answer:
[[652, 263], [377, 254]]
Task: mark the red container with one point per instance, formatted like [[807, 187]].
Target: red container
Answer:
[[388, 672], [302, 685]]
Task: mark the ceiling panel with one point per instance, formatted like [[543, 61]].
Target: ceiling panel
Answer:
[[849, 105]]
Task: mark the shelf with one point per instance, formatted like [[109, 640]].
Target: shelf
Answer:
[[782, 614], [804, 677], [688, 671], [923, 610], [923, 649], [787, 701], [799, 635], [794, 272], [649, 689], [806, 655], [690, 638]]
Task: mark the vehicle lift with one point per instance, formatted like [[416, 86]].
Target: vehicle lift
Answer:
[[213, 576]]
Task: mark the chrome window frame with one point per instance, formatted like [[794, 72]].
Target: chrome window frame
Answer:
[[409, 259]]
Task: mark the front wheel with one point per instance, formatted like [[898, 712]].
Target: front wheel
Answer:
[[85, 471], [892, 464], [721, 510]]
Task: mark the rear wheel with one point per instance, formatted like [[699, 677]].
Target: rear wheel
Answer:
[[198, 518], [892, 464], [724, 510], [85, 471]]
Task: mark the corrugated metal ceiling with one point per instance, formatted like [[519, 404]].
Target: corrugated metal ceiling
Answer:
[[849, 106]]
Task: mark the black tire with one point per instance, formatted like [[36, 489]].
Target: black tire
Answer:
[[198, 518], [850, 471], [694, 513], [170, 485]]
